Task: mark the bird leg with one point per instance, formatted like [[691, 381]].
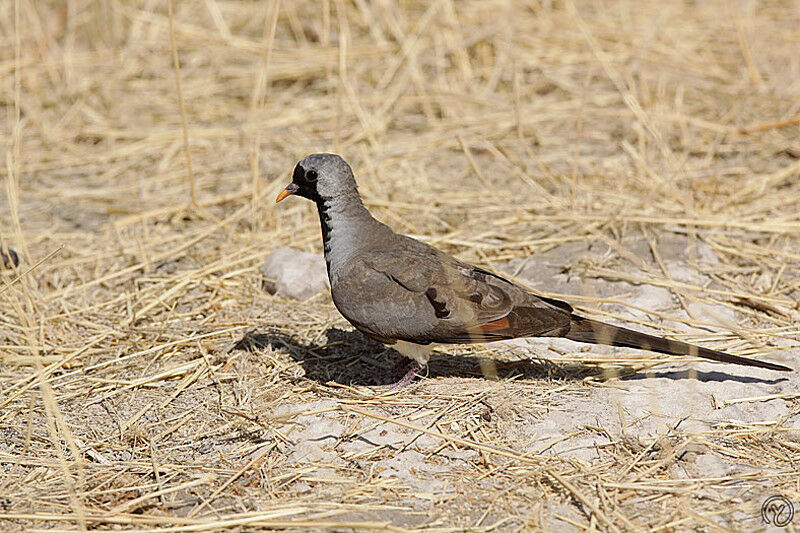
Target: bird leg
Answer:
[[408, 377], [410, 369]]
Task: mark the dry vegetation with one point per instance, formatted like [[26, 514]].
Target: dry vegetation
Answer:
[[146, 379]]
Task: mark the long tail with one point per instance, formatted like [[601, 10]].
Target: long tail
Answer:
[[594, 332]]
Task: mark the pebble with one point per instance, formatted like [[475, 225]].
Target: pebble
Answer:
[[294, 274], [9, 258]]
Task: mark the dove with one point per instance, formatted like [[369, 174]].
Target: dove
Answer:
[[412, 296]]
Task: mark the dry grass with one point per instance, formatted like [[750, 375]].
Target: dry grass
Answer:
[[495, 130]]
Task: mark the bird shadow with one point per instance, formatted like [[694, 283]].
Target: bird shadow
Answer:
[[710, 376], [349, 358]]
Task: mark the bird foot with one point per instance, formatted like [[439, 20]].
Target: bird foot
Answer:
[[411, 368]]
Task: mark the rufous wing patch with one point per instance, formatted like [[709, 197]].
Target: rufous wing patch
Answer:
[[494, 325]]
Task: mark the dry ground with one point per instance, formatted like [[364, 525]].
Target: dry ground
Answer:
[[644, 154]]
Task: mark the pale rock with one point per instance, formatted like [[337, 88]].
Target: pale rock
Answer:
[[295, 274], [411, 468]]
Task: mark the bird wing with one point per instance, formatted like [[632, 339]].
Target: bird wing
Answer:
[[419, 294]]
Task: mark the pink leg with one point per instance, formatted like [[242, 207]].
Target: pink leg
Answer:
[[412, 366]]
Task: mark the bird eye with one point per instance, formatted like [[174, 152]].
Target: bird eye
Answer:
[[311, 175]]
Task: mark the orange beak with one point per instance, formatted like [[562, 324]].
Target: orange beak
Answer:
[[288, 191]]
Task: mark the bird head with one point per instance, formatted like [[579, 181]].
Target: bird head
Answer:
[[320, 177]]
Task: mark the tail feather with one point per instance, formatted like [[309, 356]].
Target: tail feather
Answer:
[[594, 332]]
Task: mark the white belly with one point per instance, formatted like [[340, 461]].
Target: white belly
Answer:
[[418, 352]]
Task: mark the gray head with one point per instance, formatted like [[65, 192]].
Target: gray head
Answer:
[[321, 177]]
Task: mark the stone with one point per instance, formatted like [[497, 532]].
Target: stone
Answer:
[[294, 274]]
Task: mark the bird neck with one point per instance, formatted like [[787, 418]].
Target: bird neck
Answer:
[[346, 228]]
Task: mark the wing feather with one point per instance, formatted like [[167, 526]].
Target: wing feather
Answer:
[[424, 295]]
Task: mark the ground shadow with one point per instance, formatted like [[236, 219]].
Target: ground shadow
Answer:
[[713, 375], [349, 358]]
